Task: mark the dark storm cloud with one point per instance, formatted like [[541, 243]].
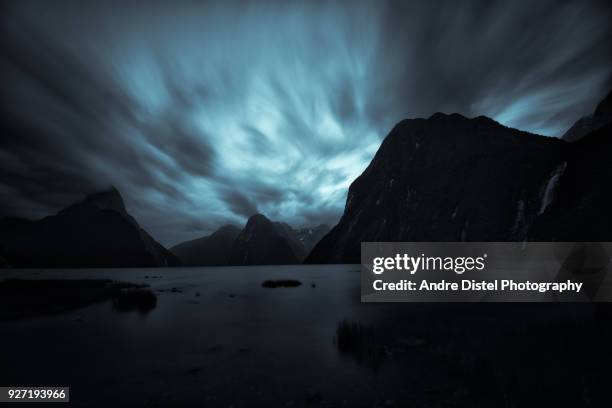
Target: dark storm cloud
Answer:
[[239, 203], [204, 113], [531, 65]]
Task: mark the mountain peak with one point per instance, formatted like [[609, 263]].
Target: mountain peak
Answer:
[[107, 199], [257, 220], [263, 242], [446, 178], [444, 116], [84, 234], [486, 119]]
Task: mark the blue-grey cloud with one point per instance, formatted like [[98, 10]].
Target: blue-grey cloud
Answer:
[[203, 113]]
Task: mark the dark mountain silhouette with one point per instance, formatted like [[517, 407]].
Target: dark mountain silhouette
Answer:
[[293, 239], [446, 178], [449, 178], [97, 232], [310, 236], [263, 242], [212, 250], [580, 210], [278, 242], [601, 117]]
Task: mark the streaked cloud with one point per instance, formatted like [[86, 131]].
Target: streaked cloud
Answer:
[[202, 113]]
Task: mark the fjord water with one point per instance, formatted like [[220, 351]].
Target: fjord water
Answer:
[[235, 341], [218, 338]]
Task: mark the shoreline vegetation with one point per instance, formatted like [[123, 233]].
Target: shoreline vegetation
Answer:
[[23, 298], [26, 298]]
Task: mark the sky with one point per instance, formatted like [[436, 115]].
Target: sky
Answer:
[[204, 113]]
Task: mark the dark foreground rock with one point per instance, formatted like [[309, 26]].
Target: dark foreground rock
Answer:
[[20, 298], [134, 299]]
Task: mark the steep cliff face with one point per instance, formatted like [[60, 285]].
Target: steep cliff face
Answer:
[[580, 208], [3, 263], [97, 232], [447, 178], [601, 117]]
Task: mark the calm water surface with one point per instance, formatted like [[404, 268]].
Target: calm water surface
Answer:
[[220, 339]]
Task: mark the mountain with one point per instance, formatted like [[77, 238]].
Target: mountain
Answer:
[[212, 250], [449, 178], [96, 232], [263, 242], [446, 178], [601, 117], [310, 236], [292, 236], [581, 207]]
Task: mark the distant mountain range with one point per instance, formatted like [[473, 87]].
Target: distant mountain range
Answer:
[[264, 242], [97, 232], [260, 242], [450, 178], [445, 178]]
